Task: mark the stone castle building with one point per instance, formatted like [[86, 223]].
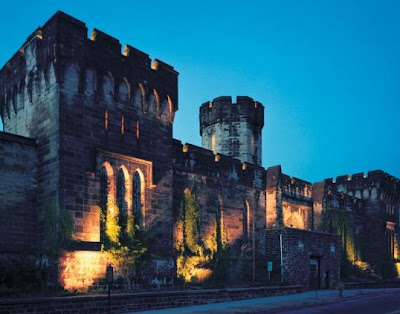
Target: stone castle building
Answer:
[[86, 126]]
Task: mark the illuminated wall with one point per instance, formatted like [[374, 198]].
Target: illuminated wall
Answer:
[[79, 270], [296, 216]]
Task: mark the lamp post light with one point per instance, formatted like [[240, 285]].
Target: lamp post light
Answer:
[[109, 280]]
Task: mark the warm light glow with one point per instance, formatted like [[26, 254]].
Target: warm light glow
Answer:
[[90, 223], [79, 270], [185, 148], [398, 269], [217, 158], [39, 34], [122, 125], [157, 99], [244, 166], [126, 51], [154, 66], [93, 35], [106, 120], [137, 130], [170, 109], [213, 142]]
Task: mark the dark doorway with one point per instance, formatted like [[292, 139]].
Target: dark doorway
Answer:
[[315, 276], [327, 280]]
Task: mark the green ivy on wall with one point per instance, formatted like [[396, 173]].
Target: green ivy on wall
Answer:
[[58, 227], [194, 251]]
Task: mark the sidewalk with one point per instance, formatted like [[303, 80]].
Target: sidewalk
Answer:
[[308, 298]]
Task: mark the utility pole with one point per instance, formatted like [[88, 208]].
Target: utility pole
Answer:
[[254, 246]]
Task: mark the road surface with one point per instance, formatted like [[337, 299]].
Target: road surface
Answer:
[[388, 303]]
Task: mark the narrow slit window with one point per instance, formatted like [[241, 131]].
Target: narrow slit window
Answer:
[[122, 125], [106, 120]]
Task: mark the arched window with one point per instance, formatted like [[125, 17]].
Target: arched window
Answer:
[[136, 199], [108, 87], [103, 202], [89, 83], [122, 206], [123, 91], [142, 98]]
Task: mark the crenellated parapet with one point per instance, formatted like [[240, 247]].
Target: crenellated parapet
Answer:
[[61, 46], [223, 109], [296, 188], [373, 185], [194, 159]]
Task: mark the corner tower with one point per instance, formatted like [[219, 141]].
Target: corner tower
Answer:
[[233, 129]]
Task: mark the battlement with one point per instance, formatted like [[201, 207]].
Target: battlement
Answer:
[[297, 188], [376, 178], [222, 109], [63, 40], [194, 159], [342, 201]]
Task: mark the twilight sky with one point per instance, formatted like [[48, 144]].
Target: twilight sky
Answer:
[[327, 71]]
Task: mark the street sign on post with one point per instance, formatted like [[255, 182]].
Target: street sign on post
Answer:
[[109, 274], [269, 268]]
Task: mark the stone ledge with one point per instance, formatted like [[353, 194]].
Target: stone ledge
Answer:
[[4, 136]]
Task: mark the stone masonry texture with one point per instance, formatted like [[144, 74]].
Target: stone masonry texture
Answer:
[[74, 107]]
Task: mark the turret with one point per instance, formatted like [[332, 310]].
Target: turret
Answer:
[[233, 129]]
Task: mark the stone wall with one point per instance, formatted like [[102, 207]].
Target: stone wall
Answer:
[[18, 188], [123, 303], [76, 95], [219, 181], [29, 107], [289, 201], [372, 201], [298, 247]]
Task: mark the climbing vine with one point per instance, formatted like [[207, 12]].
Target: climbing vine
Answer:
[[59, 227], [194, 251], [339, 222], [128, 256]]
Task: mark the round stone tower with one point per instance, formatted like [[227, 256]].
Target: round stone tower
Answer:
[[233, 129]]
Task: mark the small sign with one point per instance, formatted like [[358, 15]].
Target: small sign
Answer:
[[269, 266], [109, 274]]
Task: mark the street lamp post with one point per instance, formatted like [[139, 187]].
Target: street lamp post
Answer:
[[109, 280]]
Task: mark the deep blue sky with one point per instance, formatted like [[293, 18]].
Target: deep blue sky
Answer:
[[326, 71]]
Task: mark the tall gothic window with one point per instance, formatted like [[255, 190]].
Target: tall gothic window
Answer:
[[136, 199], [122, 210], [103, 201]]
